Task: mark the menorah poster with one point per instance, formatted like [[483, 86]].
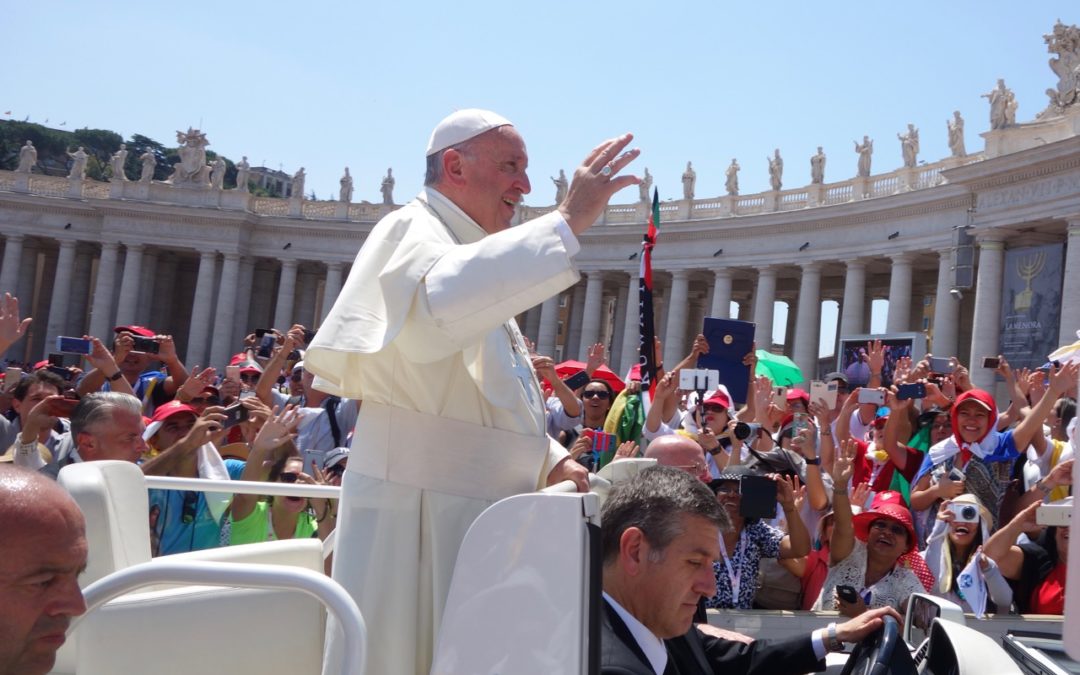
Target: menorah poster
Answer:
[[1030, 304]]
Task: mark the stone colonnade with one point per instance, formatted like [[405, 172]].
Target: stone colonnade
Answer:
[[207, 300]]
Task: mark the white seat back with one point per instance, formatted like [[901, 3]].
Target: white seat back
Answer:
[[526, 590], [112, 496]]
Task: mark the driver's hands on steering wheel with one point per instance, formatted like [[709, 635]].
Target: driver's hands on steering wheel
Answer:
[[858, 628]]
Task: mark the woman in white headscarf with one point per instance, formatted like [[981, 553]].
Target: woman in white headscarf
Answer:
[[965, 575]]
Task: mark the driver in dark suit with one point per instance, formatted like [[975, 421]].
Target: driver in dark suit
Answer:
[[660, 532]]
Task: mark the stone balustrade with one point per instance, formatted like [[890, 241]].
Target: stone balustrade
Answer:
[[811, 196]]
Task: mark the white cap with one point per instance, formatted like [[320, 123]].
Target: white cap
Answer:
[[461, 126]]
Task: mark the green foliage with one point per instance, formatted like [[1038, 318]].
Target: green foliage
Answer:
[[100, 144]]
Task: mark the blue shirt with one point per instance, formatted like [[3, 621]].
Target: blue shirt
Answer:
[[181, 520]]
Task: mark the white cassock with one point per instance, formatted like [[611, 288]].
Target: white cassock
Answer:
[[452, 417]]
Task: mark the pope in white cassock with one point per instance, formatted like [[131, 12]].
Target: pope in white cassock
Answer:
[[452, 417]]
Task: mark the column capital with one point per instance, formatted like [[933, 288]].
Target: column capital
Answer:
[[66, 243], [334, 265], [767, 271], [723, 272], [232, 255], [856, 264], [681, 273], [207, 255], [1073, 224], [289, 262], [991, 239], [992, 244], [110, 246], [902, 258], [15, 236], [135, 247], [811, 266]]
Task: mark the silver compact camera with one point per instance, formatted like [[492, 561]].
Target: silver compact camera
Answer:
[[964, 513]]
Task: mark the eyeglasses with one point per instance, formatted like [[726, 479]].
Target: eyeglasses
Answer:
[[896, 528], [600, 394], [288, 477], [695, 469], [249, 378], [727, 489], [713, 408]]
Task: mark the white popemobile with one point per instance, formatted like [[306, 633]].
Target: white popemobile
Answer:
[[525, 598]]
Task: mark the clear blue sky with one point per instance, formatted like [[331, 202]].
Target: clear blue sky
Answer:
[[324, 85]]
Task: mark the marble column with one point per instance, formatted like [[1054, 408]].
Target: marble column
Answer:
[[101, 323], [808, 321], [789, 326], [549, 326], [899, 294], [221, 346], [332, 288], [577, 311], [149, 287], [80, 293], [9, 268], [721, 299], [590, 320], [630, 353], [286, 297], [852, 317], [245, 294], [61, 292], [986, 326], [618, 322], [764, 307], [946, 310], [130, 283], [307, 288], [1070, 291], [531, 328], [201, 310], [675, 344], [165, 292]]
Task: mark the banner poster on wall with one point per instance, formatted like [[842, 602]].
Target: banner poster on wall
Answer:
[[1030, 304]]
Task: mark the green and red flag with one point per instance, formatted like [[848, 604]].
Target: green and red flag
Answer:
[[647, 328]]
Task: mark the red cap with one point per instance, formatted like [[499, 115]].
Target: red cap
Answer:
[[238, 358], [171, 408], [796, 394], [635, 373], [719, 398], [41, 364], [141, 331]]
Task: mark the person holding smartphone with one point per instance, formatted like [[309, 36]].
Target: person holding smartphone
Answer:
[[152, 387], [976, 446], [36, 426], [868, 552], [750, 539]]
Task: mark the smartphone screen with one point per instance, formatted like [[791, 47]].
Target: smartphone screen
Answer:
[[941, 365], [145, 345], [779, 396], [12, 377], [991, 362], [73, 345], [912, 390]]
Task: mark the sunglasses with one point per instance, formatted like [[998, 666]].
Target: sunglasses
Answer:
[[727, 490], [713, 408], [601, 394], [206, 400], [249, 378], [297, 378], [896, 528], [336, 470], [289, 477]]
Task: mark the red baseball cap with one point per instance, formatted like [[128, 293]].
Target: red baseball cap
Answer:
[[719, 397], [795, 394], [141, 331]]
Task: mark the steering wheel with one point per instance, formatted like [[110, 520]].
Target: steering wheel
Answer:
[[881, 653]]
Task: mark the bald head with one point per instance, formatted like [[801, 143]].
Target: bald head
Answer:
[[680, 452], [42, 553]]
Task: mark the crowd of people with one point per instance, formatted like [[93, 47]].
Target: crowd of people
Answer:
[[851, 502]]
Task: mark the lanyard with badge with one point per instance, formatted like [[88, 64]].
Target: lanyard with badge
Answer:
[[734, 572]]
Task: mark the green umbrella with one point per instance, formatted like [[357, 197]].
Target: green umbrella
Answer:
[[780, 369]]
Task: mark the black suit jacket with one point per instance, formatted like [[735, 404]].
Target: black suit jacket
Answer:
[[696, 653]]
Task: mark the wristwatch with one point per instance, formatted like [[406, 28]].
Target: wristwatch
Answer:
[[814, 462], [115, 376], [715, 451], [831, 642]]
